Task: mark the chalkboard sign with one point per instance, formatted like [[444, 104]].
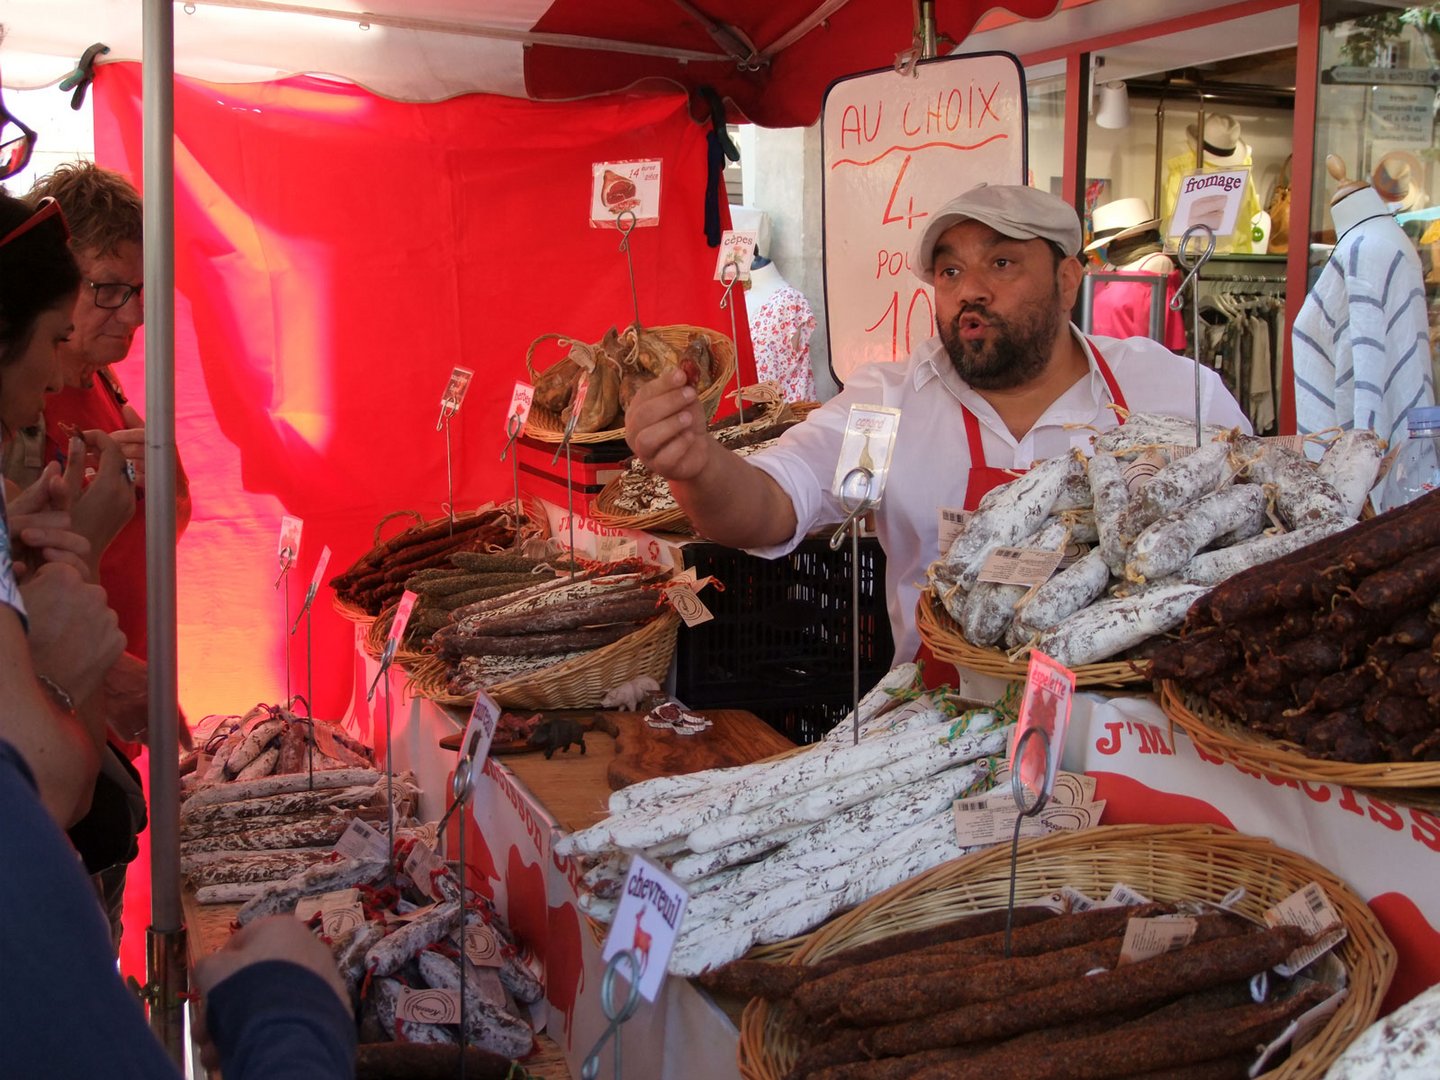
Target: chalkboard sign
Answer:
[[896, 147]]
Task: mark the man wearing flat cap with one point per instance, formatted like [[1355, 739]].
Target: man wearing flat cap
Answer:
[[1006, 382]]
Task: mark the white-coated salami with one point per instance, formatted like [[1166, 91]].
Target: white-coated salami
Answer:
[[1079, 584], [1350, 465], [1167, 545], [1112, 626]]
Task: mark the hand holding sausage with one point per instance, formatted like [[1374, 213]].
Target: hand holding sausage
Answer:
[[665, 427], [107, 503], [131, 440]]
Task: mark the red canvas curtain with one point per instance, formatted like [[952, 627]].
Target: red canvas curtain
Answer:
[[336, 255]]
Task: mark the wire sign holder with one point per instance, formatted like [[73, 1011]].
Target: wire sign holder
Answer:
[[450, 402], [859, 485], [310, 593], [582, 392], [516, 416], [730, 273]]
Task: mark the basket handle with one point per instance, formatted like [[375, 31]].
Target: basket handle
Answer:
[[419, 520], [563, 339]]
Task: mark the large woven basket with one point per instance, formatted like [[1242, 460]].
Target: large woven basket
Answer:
[[1218, 734], [579, 683], [1181, 862], [946, 641], [547, 426]]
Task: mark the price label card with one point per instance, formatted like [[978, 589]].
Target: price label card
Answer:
[[318, 577], [423, 866], [980, 822], [482, 946], [456, 388], [952, 523], [1122, 895], [868, 444], [616, 548], [1208, 198], [1310, 909], [736, 246], [620, 186], [691, 608], [520, 402], [1145, 938], [1045, 707], [340, 911], [289, 546], [1020, 566], [402, 618], [647, 922], [479, 733], [428, 1006], [1301, 1030], [361, 840]]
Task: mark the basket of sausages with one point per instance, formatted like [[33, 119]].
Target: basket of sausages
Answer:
[[1091, 560], [925, 982], [1323, 665], [613, 369]]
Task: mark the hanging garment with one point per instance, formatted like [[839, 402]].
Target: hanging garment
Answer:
[[780, 332]]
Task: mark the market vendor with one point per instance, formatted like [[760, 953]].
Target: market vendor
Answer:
[[1008, 381]]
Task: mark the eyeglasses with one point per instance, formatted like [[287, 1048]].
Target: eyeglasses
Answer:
[[14, 153], [113, 294], [48, 210]]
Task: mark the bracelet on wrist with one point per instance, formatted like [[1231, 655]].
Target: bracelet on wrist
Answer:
[[58, 694]]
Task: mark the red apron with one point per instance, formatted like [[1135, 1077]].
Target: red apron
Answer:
[[981, 480]]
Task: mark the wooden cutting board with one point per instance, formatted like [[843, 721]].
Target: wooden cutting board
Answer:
[[735, 737]]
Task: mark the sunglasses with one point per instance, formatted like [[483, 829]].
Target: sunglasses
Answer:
[[14, 153], [48, 210]]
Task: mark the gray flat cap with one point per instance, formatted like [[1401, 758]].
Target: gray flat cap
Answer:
[[1023, 213]]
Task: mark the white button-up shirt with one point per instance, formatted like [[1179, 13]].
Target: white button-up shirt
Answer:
[[930, 466]]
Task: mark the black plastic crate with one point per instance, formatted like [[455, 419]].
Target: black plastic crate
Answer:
[[801, 721], [782, 628]]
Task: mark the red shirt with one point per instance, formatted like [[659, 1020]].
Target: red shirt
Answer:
[[122, 567]]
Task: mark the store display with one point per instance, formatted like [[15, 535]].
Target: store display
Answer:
[[617, 366], [1194, 518], [1330, 650], [976, 995]]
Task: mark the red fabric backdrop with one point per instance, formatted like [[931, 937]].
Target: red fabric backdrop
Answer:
[[336, 255]]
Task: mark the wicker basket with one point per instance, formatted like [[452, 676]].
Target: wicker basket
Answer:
[[578, 683], [1214, 732], [941, 633], [548, 427], [1182, 862]]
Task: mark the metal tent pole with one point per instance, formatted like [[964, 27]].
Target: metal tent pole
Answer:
[[167, 975]]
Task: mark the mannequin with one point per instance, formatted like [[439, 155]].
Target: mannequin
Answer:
[[1361, 342], [1222, 149], [781, 322], [1130, 238]]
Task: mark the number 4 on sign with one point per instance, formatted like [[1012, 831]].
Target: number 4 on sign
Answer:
[[912, 214]]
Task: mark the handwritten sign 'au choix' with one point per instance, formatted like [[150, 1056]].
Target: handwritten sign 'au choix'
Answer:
[[896, 148]]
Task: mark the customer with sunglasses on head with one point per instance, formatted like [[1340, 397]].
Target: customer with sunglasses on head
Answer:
[[275, 1006]]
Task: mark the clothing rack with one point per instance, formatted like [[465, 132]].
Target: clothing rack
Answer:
[[1248, 279]]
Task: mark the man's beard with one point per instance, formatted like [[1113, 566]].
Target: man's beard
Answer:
[[1017, 352]]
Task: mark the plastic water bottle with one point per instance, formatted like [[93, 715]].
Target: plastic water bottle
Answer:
[[1417, 468]]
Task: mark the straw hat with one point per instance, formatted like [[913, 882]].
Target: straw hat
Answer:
[[1223, 145], [1397, 179], [1118, 220]]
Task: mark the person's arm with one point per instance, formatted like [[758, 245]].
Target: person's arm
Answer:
[[726, 498], [131, 440], [275, 1006]]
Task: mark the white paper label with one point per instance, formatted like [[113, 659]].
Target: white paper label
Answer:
[[1310, 909], [423, 866], [520, 402], [1209, 198], [339, 911], [1076, 900], [428, 1006], [647, 922], [952, 524], [616, 548], [482, 947], [318, 578], [868, 443], [737, 246], [1020, 566], [691, 608], [1122, 895], [1145, 938], [362, 841], [288, 549], [456, 389], [624, 187], [1301, 1030], [1044, 707], [479, 732], [980, 823], [402, 617]]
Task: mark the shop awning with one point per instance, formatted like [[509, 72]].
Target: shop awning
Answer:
[[771, 58]]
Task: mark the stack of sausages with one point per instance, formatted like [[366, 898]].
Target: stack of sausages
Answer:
[[1335, 648], [946, 1004]]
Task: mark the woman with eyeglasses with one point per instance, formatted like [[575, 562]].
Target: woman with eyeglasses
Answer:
[[275, 1006]]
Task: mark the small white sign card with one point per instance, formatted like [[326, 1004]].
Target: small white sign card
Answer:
[[868, 444], [647, 922], [519, 411], [1045, 706], [1208, 198], [318, 578], [288, 549], [620, 186], [737, 246], [479, 734]]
